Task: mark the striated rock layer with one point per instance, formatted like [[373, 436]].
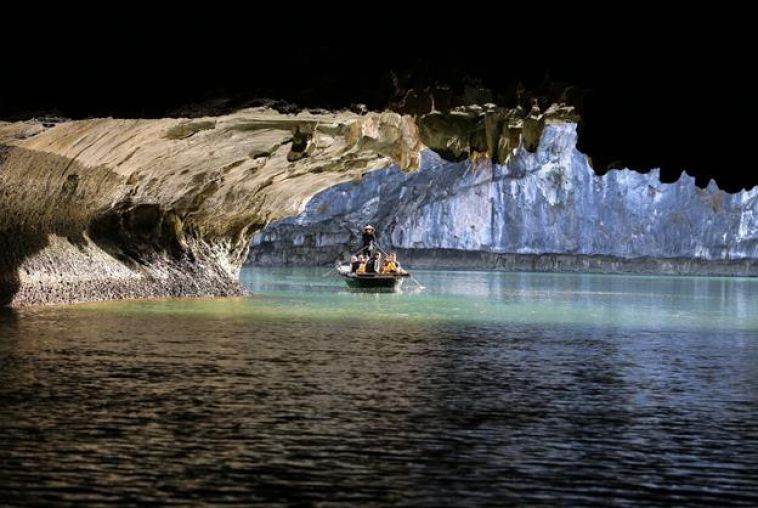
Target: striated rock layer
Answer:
[[545, 210]]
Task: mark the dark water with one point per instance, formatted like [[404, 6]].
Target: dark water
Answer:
[[484, 389]]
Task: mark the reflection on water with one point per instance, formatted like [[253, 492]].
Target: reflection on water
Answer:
[[486, 388]]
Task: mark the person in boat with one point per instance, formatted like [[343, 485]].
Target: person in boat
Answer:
[[369, 239], [390, 264], [374, 263], [362, 264], [395, 266], [355, 263]]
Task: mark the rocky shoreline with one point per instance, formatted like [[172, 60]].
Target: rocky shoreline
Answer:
[[61, 273], [189, 284], [454, 259]]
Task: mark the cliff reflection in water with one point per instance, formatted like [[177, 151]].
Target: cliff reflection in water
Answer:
[[487, 387]]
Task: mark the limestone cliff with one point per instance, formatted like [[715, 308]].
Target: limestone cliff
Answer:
[[545, 210]]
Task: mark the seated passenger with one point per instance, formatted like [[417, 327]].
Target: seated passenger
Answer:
[[390, 266], [398, 268], [354, 264], [362, 264], [374, 263]]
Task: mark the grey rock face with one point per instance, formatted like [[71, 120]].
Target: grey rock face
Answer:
[[546, 202]]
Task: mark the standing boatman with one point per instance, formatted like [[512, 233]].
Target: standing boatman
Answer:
[[369, 239]]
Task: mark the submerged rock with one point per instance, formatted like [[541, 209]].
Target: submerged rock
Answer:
[[549, 202]]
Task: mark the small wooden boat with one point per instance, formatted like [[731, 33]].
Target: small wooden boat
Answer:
[[372, 281]]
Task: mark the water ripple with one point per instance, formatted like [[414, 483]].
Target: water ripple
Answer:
[[117, 406]]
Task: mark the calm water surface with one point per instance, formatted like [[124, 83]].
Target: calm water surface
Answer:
[[482, 389]]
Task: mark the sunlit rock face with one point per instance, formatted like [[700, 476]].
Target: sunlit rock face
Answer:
[[541, 204]]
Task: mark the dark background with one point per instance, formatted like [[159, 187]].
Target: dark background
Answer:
[[669, 93]]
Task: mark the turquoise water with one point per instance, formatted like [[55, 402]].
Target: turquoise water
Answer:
[[678, 303], [479, 389]]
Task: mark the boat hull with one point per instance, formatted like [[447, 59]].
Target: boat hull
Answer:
[[374, 283]]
